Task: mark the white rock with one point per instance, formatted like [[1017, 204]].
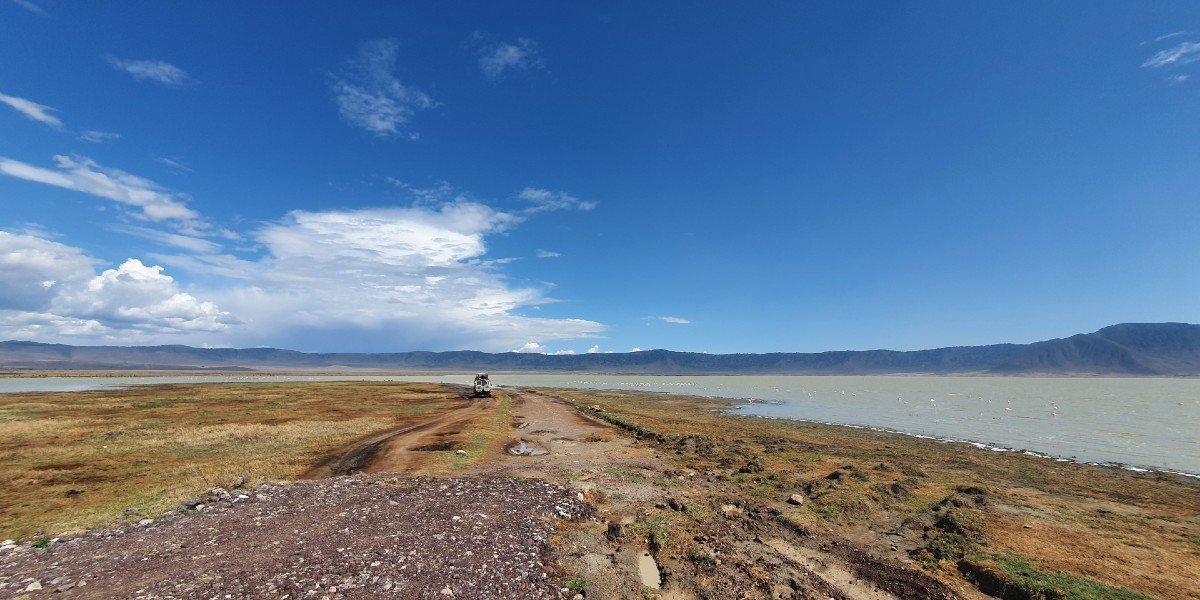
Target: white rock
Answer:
[[33, 587]]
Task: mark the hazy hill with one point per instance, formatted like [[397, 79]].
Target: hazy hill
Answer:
[[1126, 349]]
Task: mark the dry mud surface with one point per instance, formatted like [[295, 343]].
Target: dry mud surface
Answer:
[[350, 537]]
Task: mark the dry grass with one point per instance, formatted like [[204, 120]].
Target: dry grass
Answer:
[[1121, 528], [69, 461]]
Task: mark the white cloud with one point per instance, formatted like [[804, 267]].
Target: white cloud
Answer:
[[151, 70], [33, 110], [30, 6], [673, 320], [635, 349], [546, 200], [385, 279], [172, 163], [142, 297], [498, 58], [563, 353], [50, 292], [184, 242], [34, 269], [369, 95], [1167, 36], [594, 350], [531, 348], [415, 277], [1184, 53], [98, 137], [547, 254], [85, 175]]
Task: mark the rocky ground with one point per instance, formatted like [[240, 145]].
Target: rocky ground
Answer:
[[347, 537]]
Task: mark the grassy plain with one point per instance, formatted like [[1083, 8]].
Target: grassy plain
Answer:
[[75, 460], [70, 461]]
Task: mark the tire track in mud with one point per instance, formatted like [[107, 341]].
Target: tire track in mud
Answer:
[[386, 452]]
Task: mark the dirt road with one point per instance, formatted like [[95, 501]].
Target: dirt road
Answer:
[[629, 482], [542, 493]]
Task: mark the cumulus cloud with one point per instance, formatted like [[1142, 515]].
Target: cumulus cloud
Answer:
[[546, 200], [370, 97], [499, 58], [33, 270], [531, 348], [141, 297], [82, 174], [50, 292], [98, 137], [151, 70], [594, 350], [31, 109], [1182, 54], [383, 279], [389, 278]]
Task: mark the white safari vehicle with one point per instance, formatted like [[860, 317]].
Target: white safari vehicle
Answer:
[[483, 385]]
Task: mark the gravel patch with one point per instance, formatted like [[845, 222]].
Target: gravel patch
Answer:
[[348, 537]]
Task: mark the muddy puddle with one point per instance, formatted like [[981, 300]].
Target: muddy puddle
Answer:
[[648, 571], [523, 448], [436, 447]]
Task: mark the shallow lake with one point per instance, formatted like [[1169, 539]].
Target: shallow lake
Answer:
[[1135, 421]]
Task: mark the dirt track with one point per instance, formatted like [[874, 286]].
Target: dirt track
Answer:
[[593, 457], [374, 535]]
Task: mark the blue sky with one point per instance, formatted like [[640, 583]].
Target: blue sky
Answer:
[[559, 177]]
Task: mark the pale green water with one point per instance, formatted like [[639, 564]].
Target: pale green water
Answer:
[[1147, 422]]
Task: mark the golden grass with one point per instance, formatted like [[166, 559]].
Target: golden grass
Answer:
[[69, 461]]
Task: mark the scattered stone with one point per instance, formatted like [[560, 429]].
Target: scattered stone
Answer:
[[359, 536], [447, 592], [240, 482], [461, 452], [797, 499], [616, 530]]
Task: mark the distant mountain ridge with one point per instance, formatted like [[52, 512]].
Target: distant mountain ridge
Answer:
[[1146, 349]]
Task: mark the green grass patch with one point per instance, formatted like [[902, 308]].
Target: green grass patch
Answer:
[[657, 532], [575, 585], [1013, 577]]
